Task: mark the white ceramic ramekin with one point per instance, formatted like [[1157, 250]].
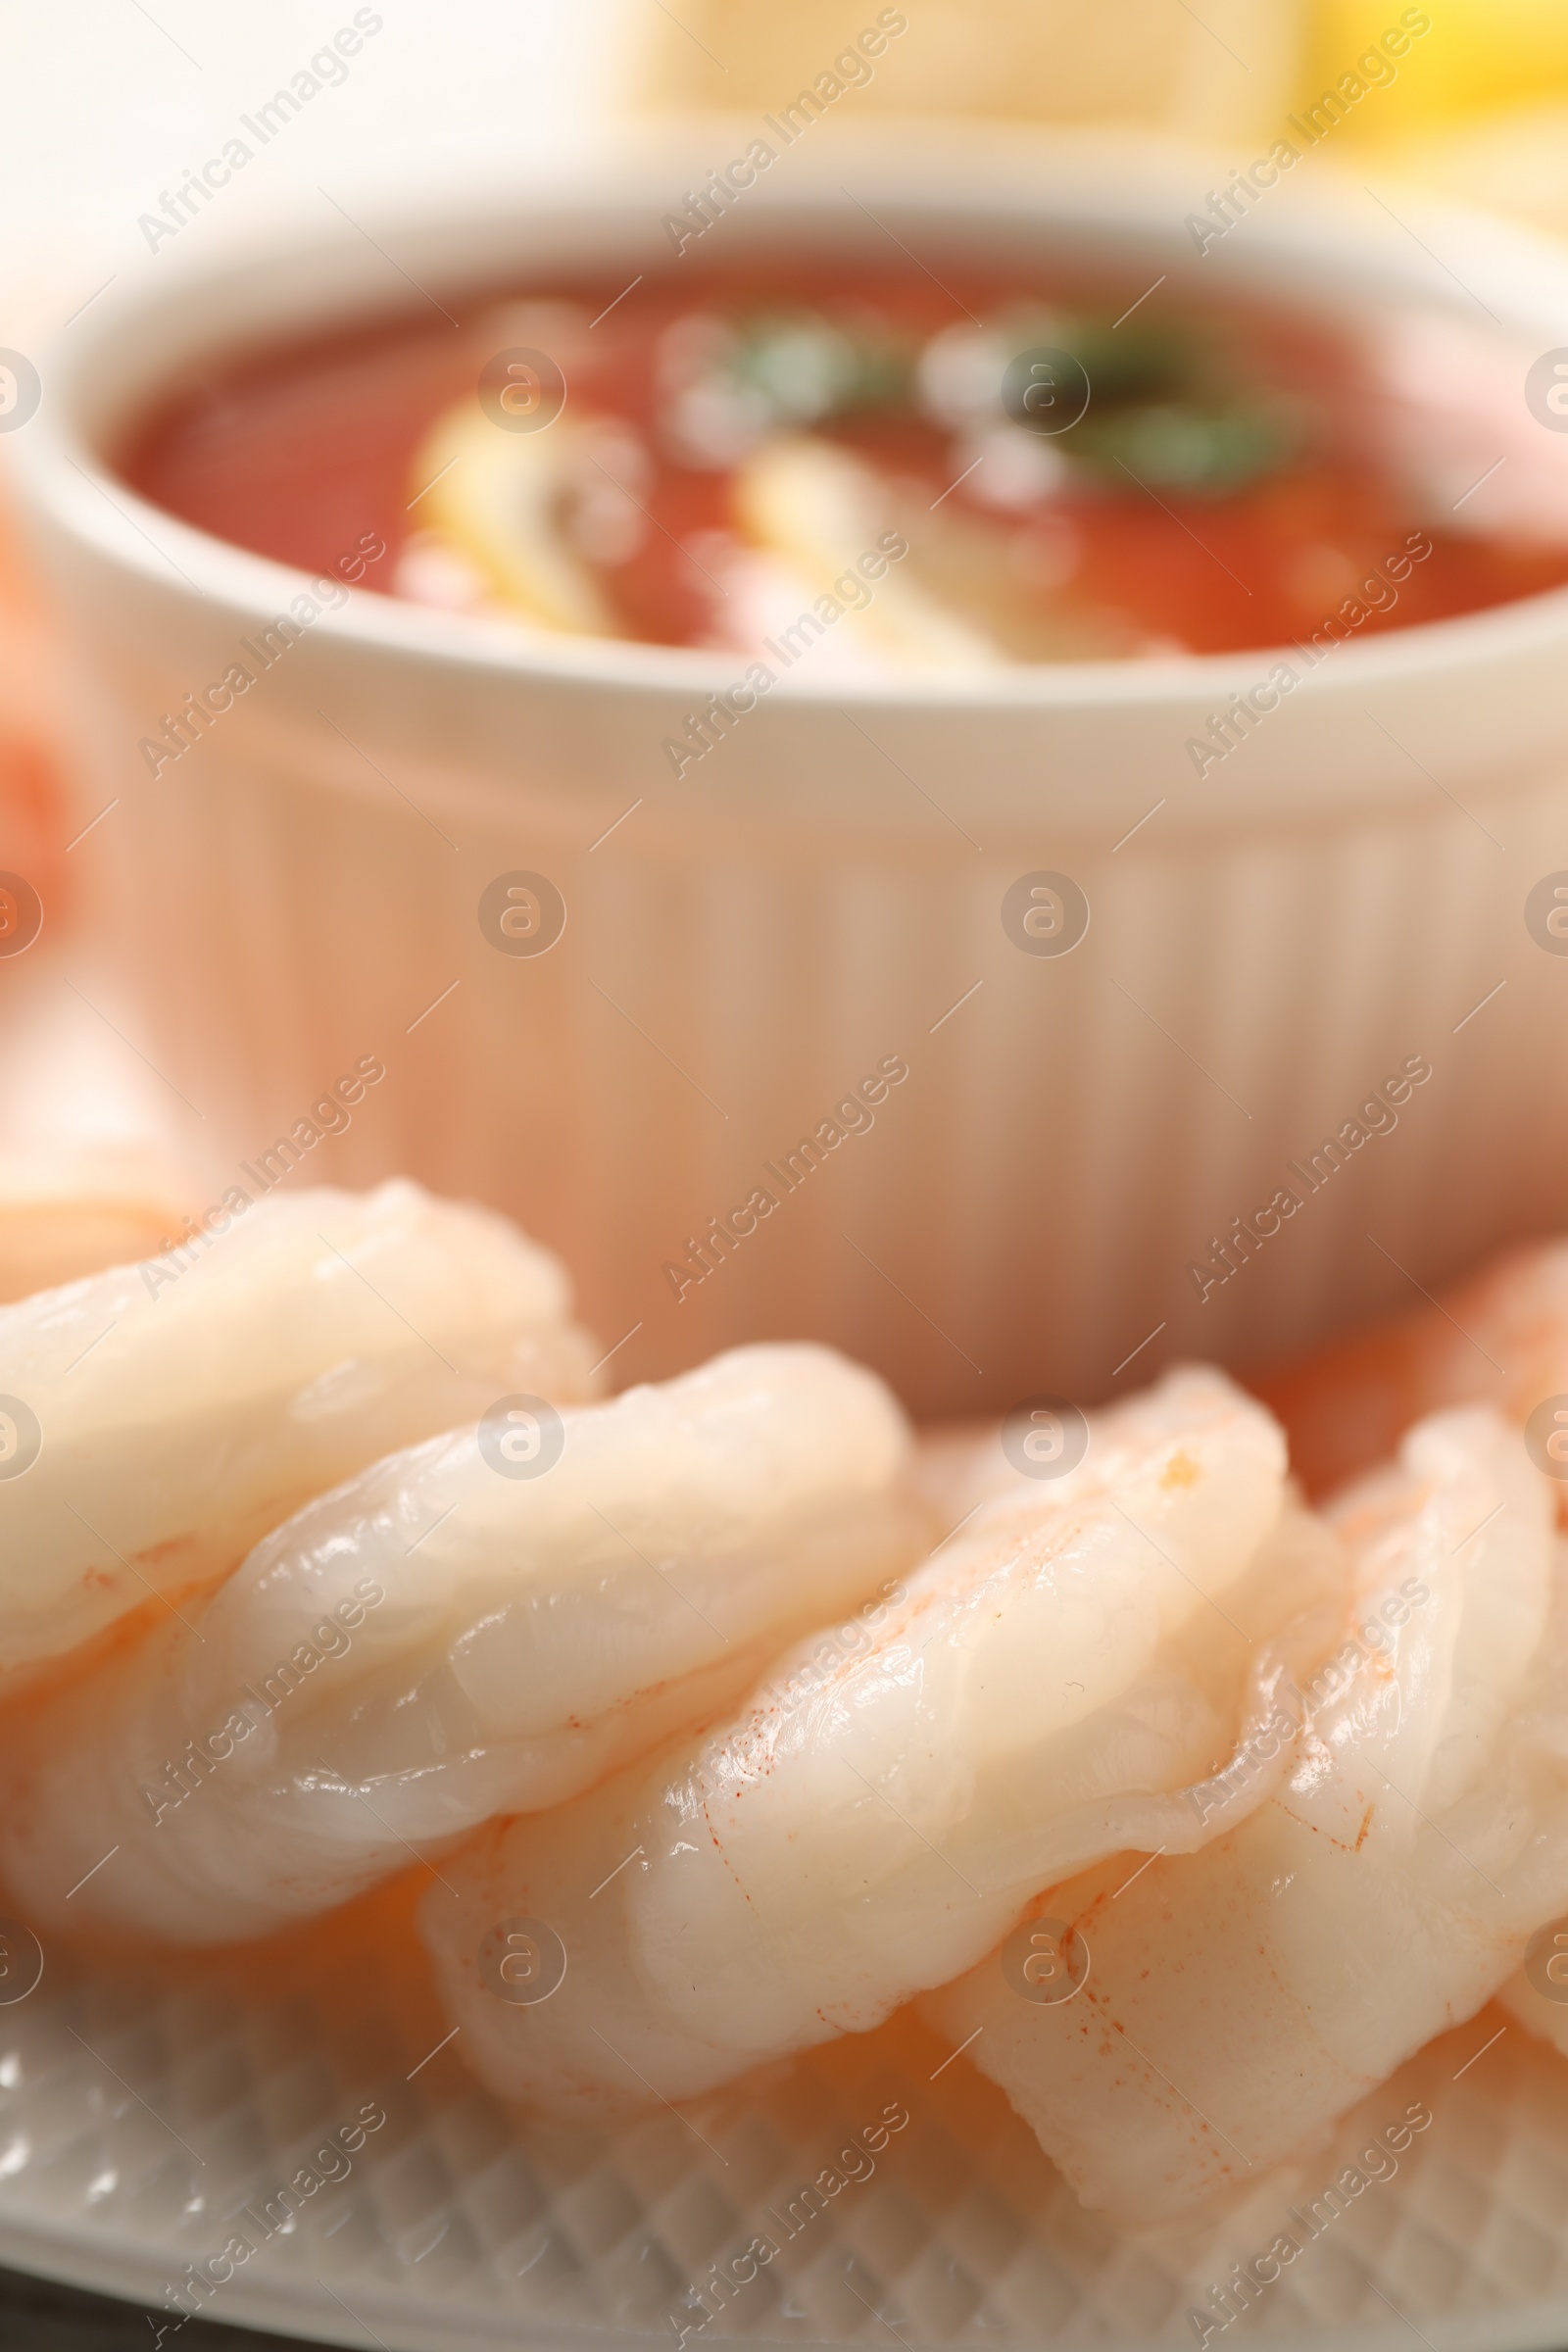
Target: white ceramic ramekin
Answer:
[[823, 895]]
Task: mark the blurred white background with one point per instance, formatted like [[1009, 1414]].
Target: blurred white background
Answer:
[[110, 103]]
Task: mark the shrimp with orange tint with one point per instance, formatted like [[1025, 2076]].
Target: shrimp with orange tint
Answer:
[[1501, 1336], [1499, 1339], [1060, 1681], [487, 1623], [156, 1420], [1238, 1999], [64, 1219]]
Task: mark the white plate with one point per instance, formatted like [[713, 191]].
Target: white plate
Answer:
[[144, 2105]]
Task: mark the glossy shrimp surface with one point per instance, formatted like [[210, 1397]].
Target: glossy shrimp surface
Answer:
[[454, 1634], [1240, 1998], [880, 1810], [156, 1420], [1501, 1336]]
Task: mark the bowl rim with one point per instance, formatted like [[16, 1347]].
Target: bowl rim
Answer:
[[1120, 190]]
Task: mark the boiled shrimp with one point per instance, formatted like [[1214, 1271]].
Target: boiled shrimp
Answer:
[[463, 1630], [1052, 1686], [156, 1420], [60, 1221], [1501, 1336], [1238, 1999], [1499, 1339]]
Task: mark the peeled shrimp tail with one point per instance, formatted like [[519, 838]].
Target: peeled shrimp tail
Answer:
[[1238, 1999], [874, 1819], [455, 1634], [157, 1420]]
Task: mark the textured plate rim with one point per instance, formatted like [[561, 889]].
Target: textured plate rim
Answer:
[[68, 2259]]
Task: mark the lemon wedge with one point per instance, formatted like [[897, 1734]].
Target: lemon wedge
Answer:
[[822, 511], [498, 499]]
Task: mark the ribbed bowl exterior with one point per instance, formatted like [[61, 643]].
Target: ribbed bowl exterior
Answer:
[[1039, 1199], [1016, 1214]]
